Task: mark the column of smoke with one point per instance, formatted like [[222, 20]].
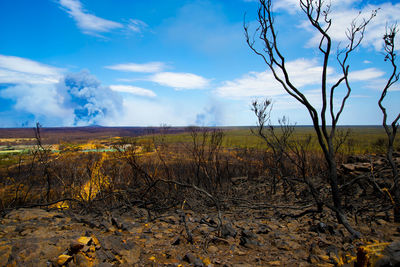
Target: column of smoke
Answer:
[[89, 101]]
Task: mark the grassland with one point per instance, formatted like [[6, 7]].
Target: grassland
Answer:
[[360, 140]]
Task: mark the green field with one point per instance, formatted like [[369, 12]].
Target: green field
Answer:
[[361, 139]]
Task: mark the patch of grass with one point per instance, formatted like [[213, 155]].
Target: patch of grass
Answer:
[[361, 140]]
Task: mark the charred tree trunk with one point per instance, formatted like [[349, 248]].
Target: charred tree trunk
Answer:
[[390, 55]]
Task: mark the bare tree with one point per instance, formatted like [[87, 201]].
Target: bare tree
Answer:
[[43, 159], [276, 140], [318, 15], [391, 130]]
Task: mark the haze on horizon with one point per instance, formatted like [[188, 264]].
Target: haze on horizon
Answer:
[[147, 63]]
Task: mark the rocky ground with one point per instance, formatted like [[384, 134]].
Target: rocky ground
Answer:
[[36, 237], [183, 237]]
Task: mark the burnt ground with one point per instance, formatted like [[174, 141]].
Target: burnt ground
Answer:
[[251, 235], [55, 135], [35, 237]]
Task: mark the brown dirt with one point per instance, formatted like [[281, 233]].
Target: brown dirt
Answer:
[[35, 237]]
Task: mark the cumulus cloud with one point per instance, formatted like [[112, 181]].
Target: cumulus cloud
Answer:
[[135, 67], [30, 85], [342, 13], [133, 90], [15, 70], [41, 101], [180, 81], [90, 101], [345, 11], [304, 73], [88, 23]]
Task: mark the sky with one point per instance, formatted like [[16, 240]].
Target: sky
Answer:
[[177, 62]]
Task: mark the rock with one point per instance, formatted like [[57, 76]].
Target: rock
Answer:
[[363, 167], [131, 256], [228, 230], [90, 222], [249, 234], [107, 226], [333, 253], [104, 255], [190, 258], [113, 243], [384, 261], [75, 247], [321, 228], [348, 167], [121, 224], [81, 260], [263, 229], [248, 239], [202, 230], [274, 263], [391, 255], [63, 259], [356, 159], [96, 242], [212, 249], [31, 214], [5, 252], [176, 241], [85, 240], [287, 245], [135, 229]]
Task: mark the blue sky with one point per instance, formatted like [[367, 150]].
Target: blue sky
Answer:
[[175, 62]]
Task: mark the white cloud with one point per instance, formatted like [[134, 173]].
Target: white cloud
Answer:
[[133, 90], [180, 81], [40, 100], [343, 15], [303, 73], [135, 67], [75, 99], [366, 74], [253, 84], [26, 65], [17, 70], [88, 23], [33, 89], [293, 6], [137, 25]]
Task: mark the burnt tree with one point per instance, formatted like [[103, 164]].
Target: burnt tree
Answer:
[[325, 121], [391, 130]]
